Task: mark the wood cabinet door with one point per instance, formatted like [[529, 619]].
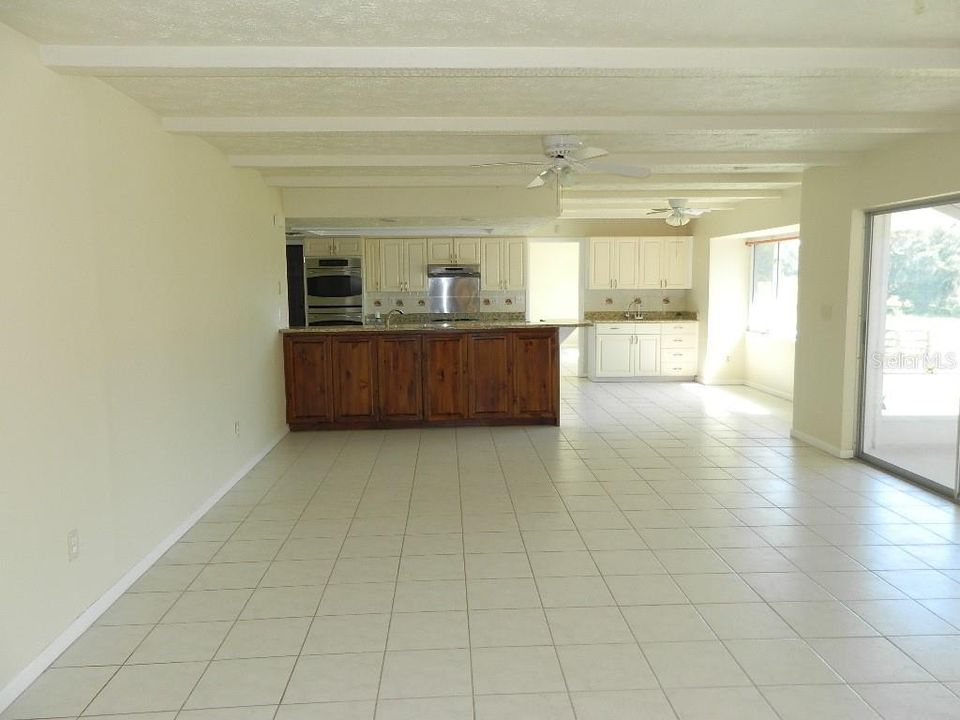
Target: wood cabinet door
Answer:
[[650, 270], [444, 377], [490, 360], [415, 265], [678, 263], [309, 379], [491, 264], [613, 355], [513, 263], [391, 265], [440, 250], [601, 263], [466, 251], [354, 378], [401, 378], [535, 373]]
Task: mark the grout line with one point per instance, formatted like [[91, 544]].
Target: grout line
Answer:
[[182, 592], [323, 592], [396, 581]]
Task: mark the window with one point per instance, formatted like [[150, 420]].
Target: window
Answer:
[[773, 286]]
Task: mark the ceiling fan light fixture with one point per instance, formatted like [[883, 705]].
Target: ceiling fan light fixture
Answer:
[[677, 219]]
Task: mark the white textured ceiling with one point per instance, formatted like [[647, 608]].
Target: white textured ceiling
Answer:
[[613, 23], [723, 100], [444, 96]]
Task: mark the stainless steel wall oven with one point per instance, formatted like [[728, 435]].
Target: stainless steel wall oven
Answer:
[[333, 290]]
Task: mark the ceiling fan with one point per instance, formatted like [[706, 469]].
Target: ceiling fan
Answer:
[[678, 213], [566, 155]]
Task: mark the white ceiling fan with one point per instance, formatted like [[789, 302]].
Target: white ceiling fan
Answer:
[[678, 213], [566, 156]]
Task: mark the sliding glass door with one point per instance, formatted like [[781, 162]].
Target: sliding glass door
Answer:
[[911, 380]]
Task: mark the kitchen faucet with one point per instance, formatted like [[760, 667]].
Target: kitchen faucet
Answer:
[[637, 315], [390, 315]]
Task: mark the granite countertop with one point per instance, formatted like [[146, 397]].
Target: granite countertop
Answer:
[[465, 326], [650, 316]]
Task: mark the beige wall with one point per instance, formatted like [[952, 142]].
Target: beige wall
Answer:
[[721, 295], [769, 363], [831, 273], [139, 304], [611, 299]]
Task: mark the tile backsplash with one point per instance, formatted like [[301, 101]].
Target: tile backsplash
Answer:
[[498, 302], [651, 300]]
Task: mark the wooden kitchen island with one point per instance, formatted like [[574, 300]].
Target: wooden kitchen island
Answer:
[[412, 376]]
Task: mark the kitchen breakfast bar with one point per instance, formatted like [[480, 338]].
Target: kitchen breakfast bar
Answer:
[[467, 373]]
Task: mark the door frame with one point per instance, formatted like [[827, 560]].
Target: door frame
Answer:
[[863, 349]]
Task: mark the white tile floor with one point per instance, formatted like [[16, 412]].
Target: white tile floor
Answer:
[[667, 553]]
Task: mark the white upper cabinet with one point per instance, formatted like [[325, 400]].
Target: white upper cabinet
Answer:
[[371, 264], [625, 270], [403, 265], [646, 263], [491, 264], [332, 246], [501, 263], [601, 263], [391, 265], [513, 249], [678, 262], [465, 251], [440, 250], [415, 258], [650, 272]]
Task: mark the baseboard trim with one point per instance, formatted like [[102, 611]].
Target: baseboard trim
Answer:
[[769, 390], [718, 383], [821, 445], [45, 659]]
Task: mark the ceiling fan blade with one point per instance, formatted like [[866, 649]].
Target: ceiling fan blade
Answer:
[[589, 153], [617, 169], [539, 180], [660, 213], [694, 212]]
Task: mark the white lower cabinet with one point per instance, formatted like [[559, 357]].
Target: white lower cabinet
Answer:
[[614, 355], [643, 350]]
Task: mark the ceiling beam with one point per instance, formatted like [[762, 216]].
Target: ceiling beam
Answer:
[[636, 213], [860, 123], [682, 182], [576, 198], [650, 159], [107, 59]]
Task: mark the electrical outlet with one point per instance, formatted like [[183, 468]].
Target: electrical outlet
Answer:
[[73, 545], [236, 428]]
